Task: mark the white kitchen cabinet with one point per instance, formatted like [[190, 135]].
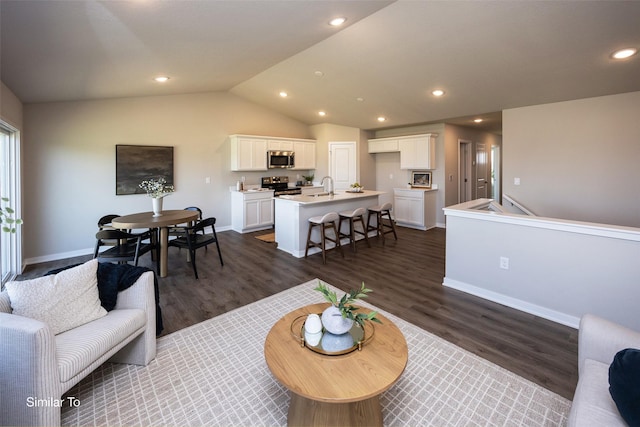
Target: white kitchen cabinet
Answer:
[[383, 145], [415, 208], [280, 145], [251, 210], [248, 153], [418, 152], [305, 155]]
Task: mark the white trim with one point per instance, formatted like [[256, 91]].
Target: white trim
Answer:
[[536, 310], [475, 210]]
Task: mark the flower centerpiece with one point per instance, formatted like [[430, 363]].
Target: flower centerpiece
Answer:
[[157, 189], [356, 187], [338, 318], [6, 218]]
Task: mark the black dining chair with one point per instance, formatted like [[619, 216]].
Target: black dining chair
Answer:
[[125, 246], [196, 236], [104, 223]]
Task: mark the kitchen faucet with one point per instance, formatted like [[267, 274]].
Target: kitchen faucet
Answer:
[[330, 184]]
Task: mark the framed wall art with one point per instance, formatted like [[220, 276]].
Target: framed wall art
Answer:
[[136, 163], [421, 179]]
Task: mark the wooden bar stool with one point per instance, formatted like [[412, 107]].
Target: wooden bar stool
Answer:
[[381, 213], [352, 217], [324, 222]]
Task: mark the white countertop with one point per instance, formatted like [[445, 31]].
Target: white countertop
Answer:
[[337, 197]]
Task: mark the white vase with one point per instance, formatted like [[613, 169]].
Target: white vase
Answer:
[[333, 321], [157, 205]]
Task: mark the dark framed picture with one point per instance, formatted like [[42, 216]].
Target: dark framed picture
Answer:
[[136, 163], [421, 179]]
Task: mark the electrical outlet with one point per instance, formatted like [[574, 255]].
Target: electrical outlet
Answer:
[[516, 181], [390, 176], [504, 263], [207, 180]]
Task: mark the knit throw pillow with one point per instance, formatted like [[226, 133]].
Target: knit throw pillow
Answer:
[[63, 301]]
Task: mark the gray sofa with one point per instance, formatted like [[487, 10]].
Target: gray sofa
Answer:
[[598, 342], [35, 364]]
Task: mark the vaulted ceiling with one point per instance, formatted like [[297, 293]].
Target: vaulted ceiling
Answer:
[[383, 62]]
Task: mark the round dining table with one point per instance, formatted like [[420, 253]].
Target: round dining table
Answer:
[[163, 222]]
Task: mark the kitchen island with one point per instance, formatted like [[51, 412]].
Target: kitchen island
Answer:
[[292, 215]]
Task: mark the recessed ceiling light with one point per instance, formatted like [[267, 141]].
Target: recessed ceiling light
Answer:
[[318, 73], [161, 79], [477, 120], [437, 92], [283, 94], [336, 22], [382, 119], [322, 113], [624, 53], [360, 99]]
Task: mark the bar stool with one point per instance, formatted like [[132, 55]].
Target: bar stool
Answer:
[[381, 212], [325, 222], [352, 217]]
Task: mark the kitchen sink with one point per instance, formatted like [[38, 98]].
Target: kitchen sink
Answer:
[[319, 194]]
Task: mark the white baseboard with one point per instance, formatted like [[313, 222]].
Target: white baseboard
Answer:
[[527, 307], [58, 256]]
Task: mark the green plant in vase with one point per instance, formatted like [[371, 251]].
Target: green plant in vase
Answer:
[[338, 318], [308, 178]]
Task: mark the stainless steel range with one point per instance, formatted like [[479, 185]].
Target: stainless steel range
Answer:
[[280, 184]]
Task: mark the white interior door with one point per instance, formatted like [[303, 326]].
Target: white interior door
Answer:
[[342, 164]]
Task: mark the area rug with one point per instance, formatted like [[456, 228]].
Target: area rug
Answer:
[[214, 374], [269, 237]]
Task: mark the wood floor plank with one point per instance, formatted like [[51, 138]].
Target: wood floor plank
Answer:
[[406, 277]]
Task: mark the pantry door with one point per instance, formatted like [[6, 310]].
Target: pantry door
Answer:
[[342, 164]]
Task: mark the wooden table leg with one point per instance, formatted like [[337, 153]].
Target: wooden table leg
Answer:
[[307, 412], [164, 250]]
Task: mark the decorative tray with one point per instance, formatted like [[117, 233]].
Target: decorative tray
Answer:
[[330, 344]]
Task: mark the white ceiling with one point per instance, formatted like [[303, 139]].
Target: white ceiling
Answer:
[[487, 55]]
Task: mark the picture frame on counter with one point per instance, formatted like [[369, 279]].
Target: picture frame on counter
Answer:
[[421, 179]]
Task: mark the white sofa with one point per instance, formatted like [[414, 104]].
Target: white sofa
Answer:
[[35, 364], [598, 342]]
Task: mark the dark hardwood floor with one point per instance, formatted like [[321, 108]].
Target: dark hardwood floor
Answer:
[[406, 277]]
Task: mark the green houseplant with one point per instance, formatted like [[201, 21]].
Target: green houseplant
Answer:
[[6, 218], [308, 178], [340, 315]]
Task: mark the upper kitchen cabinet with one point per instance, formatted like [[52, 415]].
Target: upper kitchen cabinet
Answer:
[[383, 145], [248, 153], [280, 145], [305, 154], [418, 151]]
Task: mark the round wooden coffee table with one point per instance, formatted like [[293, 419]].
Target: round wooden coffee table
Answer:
[[335, 390]]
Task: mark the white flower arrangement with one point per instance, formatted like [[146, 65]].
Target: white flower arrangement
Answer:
[[156, 188]]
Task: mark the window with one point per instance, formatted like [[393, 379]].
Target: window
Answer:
[[10, 243]]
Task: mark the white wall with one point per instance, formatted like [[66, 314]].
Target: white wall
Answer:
[[69, 160], [577, 159], [558, 270]]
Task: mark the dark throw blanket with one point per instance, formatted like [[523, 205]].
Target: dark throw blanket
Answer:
[[113, 278]]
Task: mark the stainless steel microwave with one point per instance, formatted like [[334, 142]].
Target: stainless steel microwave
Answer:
[[280, 159]]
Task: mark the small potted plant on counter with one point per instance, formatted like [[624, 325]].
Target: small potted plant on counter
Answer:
[[308, 179], [338, 318]]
